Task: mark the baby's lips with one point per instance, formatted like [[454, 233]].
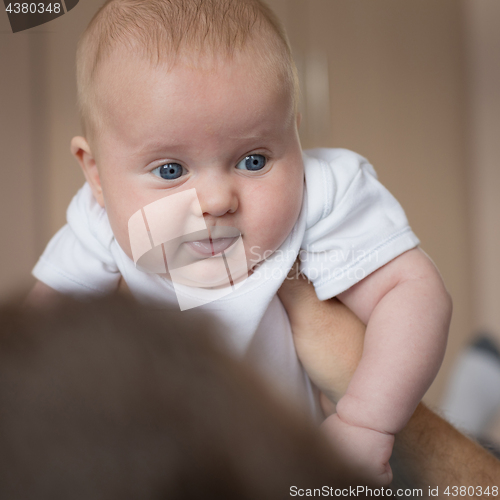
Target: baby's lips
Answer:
[[210, 247], [197, 246], [218, 232]]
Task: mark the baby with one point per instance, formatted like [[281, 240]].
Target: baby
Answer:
[[180, 95]]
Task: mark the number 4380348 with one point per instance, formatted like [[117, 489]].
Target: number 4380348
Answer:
[[33, 8], [471, 491]]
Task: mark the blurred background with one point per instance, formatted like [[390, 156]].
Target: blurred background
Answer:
[[412, 85]]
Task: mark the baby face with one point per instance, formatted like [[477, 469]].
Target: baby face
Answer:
[[227, 131]]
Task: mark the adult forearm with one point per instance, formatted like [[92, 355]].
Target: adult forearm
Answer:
[[431, 453], [328, 336]]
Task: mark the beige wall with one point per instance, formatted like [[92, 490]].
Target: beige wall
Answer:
[[481, 20], [384, 78], [483, 124], [18, 171]]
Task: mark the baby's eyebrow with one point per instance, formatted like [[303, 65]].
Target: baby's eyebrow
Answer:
[[245, 137], [264, 131], [264, 136], [158, 147]]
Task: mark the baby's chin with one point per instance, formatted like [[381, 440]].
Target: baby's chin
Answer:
[[209, 274]]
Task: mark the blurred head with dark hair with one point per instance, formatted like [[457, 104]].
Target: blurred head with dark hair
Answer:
[[108, 400]]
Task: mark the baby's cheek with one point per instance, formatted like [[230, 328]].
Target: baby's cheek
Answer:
[[123, 239], [290, 197], [278, 216], [291, 205]]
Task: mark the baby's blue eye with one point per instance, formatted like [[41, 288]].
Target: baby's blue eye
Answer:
[[169, 171], [252, 162]]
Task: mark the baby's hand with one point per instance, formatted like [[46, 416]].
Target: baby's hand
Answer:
[[365, 450]]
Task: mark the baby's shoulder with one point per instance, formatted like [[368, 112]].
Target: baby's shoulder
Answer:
[[330, 175], [339, 161]]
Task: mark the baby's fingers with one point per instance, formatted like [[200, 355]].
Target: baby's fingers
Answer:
[[366, 451]]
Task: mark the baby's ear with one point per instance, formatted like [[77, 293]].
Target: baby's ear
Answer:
[[80, 149]]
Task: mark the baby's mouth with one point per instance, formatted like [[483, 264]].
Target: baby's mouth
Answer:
[[210, 247], [219, 239]]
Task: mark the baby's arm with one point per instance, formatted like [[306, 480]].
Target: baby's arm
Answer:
[[407, 311]]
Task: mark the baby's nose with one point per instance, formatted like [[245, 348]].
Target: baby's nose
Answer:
[[217, 198]]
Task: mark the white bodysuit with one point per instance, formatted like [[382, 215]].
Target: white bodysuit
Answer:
[[349, 226]]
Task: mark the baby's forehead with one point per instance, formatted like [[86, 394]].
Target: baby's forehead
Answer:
[[137, 67]]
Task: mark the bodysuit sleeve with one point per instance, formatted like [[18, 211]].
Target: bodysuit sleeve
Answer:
[[78, 260], [354, 225]]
